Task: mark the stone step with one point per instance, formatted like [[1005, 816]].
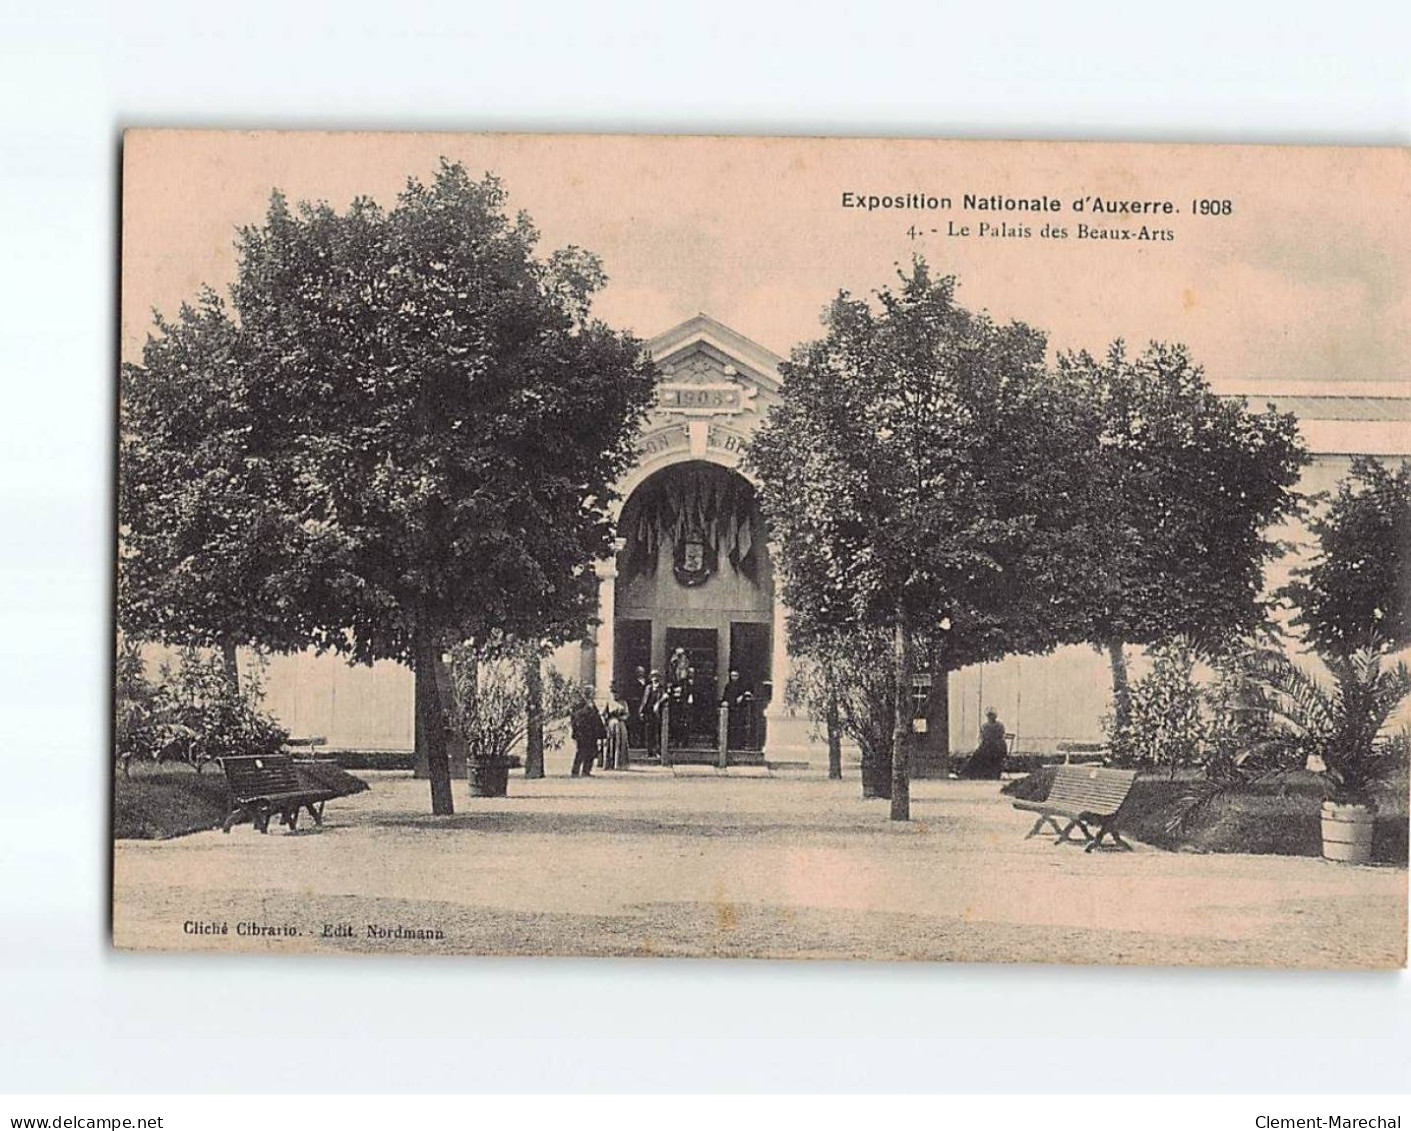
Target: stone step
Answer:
[[702, 756]]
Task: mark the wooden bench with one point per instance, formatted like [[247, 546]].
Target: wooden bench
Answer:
[[1083, 795], [1087, 751], [262, 785]]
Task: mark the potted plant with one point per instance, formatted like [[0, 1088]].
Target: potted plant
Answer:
[[1341, 729], [491, 708]]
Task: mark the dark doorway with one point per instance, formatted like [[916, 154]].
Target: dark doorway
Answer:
[[693, 704], [632, 649], [750, 655]]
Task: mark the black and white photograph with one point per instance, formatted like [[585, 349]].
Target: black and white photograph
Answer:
[[764, 548], [658, 567]]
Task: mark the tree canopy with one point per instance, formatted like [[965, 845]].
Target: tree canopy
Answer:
[[915, 475], [1358, 589], [437, 416], [928, 471], [1182, 489], [207, 541]]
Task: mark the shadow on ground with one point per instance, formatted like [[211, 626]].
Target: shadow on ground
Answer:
[[869, 823]]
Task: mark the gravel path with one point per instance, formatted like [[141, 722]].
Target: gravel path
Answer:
[[739, 865]]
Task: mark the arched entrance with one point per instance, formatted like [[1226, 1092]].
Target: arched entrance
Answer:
[[694, 599]]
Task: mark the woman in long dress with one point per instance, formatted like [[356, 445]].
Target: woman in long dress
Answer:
[[989, 756], [617, 740]]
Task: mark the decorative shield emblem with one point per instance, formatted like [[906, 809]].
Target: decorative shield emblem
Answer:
[[693, 562]]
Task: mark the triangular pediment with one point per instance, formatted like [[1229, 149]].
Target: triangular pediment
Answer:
[[703, 351], [716, 387]]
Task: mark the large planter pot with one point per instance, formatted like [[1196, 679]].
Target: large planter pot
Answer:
[[490, 777], [1347, 831]]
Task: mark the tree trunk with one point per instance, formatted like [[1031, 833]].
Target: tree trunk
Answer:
[[230, 661], [876, 776], [1121, 689], [901, 746], [431, 721], [468, 688], [938, 715], [534, 730], [834, 729]]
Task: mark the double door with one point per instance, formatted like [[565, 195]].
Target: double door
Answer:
[[747, 650]]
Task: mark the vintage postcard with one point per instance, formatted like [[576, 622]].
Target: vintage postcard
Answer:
[[763, 547]]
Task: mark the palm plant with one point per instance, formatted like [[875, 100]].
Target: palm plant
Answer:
[[1342, 724]]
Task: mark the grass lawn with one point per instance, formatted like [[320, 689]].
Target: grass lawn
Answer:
[[1278, 817], [161, 801]]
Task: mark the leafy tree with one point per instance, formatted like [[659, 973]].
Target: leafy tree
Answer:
[[916, 475], [207, 543], [845, 679], [441, 420], [193, 713], [1181, 489], [1359, 587], [1166, 727]]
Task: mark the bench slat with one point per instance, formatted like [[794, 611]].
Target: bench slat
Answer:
[[268, 777], [1090, 789], [1083, 795]]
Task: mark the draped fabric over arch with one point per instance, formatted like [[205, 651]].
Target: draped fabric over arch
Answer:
[[709, 516]]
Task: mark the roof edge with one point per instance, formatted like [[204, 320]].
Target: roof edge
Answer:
[[701, 327]]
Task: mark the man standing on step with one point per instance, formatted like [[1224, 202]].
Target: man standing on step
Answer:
[[636, 695], [650, 713], [739, 698]]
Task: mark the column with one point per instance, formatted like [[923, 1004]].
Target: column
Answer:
[[776, 715], [607, 608]]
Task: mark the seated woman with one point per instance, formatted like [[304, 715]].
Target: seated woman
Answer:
[[989, 756]]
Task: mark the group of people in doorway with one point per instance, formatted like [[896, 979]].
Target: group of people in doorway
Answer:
[[606, 737], [633, 720]]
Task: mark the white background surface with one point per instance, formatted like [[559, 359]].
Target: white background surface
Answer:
[[75, 1016]]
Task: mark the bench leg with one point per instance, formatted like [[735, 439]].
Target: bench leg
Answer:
[[1044, 819], [239, 810], [291, 818], [1109, 831], [1065, 837], [261, 815], [316, 814]]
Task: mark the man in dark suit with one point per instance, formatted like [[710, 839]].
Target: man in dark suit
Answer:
[[636, 693], [738, 696], [649, 710], [587, 727]]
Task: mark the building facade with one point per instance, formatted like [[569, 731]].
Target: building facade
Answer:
[[692, 584]]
